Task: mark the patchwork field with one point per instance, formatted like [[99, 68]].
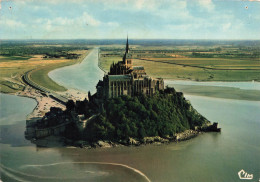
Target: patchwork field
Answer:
[[199, 63]]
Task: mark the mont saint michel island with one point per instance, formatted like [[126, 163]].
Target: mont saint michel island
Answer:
[[138, 91], [128, 108]]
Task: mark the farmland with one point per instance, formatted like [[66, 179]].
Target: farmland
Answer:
[[199, 63], [16, 60]]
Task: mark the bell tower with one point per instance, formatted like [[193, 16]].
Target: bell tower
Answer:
[[127, 46], [127, 59]]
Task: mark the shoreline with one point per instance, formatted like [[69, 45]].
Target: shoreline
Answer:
[[47, 70], [44, 103], [59, 141], [225, 90], [210, 81], [219, 92], [81, 59]]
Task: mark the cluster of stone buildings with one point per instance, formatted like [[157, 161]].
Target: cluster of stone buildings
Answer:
[[126, 79]]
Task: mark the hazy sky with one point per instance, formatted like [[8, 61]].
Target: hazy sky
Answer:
[[171, 19]]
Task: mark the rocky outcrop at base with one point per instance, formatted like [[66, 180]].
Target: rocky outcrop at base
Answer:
[[211, 128], [157, 140], [186, 135]]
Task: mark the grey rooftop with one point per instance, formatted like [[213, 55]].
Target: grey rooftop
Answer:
[[119, 77], [138, 68]]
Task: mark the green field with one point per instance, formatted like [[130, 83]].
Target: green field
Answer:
[[40, 76], [198, 63], [13, 67], [11, 58]]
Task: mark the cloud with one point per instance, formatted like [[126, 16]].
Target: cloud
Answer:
[[9, 28], [83, 20], [226, 26], [141, 18], [192, 26], [174, 10], [84, 25], [146, 4], [112, 24], [207, 4], [140, 4], [11, 23], [86, 18]]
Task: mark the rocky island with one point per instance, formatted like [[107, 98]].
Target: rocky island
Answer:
[[129, 108]]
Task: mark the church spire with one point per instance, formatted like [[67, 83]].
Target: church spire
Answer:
[[127, 46]]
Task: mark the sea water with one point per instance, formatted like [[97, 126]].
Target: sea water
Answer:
[[208, 157]]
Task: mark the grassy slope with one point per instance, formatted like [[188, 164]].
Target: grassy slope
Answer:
[[12, 70], [40, 76], [10, 77]]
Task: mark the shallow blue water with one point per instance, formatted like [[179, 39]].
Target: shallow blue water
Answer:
[[242, 85], [14, 108], [208, 157], [83, 76]]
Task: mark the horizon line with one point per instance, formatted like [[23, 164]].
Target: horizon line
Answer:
[[130, 39]]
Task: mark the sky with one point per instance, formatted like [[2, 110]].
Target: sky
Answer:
[[140, 19]]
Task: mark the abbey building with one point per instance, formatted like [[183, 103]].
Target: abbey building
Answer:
[[126, 79]]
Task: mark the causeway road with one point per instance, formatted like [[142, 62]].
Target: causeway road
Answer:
[[27, 79]]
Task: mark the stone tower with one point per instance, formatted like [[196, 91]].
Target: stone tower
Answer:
[[127, 59]]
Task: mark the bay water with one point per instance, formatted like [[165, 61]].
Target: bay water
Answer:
[[208, 157]]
